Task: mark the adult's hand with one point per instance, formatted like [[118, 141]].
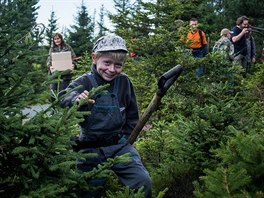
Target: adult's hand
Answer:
[[52, 69]]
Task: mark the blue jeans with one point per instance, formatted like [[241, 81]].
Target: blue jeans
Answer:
[[198, 53]]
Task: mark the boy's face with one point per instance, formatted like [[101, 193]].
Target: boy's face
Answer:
[[107, 67]]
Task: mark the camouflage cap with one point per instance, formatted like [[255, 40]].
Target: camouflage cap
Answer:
[[225, 31], [110, 42]]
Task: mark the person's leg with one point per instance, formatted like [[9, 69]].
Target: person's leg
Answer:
[[246, 65], [237, 60], [66, 80], [133, 173], [241, 60], [87, 165], [249, 64], [53, 87], [197, 53], [200, 71]]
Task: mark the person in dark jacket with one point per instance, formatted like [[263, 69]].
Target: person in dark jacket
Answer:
[[113, 115], [238, 37], [59, 45]]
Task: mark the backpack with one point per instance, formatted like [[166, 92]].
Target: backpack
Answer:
[[204, 47]]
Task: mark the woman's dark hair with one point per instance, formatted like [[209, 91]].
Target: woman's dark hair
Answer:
[[194, 19], [60, 36], [240, 20]]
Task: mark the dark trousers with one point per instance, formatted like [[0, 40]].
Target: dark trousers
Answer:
[[63, 84], [242, 60], [198, 53], [65, 81], [132, 174]]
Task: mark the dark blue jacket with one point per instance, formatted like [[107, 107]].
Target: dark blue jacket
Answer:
[[126, 97], [240, 47]]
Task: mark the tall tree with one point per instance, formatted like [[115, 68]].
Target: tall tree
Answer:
[[19, 45], [121, 17], [17, 19], [29, 150], [102, 28], [52, 27], [81, 34]]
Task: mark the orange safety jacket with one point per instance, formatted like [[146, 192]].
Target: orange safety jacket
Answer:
[[194, 41]]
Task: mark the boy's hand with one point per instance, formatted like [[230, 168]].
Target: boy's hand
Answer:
[[84, 95]]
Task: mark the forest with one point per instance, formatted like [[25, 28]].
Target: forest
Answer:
[[204, 139]]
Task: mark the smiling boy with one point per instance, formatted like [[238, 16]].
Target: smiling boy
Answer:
[[113, 115]]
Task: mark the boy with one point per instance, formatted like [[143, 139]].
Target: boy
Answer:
[[113, 115]]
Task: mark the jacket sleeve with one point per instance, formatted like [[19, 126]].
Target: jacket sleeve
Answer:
[[73, 55], [72, 52], [131, 111], [67, 99], [231, 51], [253, 48]]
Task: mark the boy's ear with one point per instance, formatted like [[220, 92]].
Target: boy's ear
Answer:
[[93, 58]]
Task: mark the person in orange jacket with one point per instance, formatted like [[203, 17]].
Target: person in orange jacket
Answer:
[[196, 41]]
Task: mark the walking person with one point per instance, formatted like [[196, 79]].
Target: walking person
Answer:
[[113, 115], [196, 41], [226, 48], [238, 37], [224, 45], [59, 45]]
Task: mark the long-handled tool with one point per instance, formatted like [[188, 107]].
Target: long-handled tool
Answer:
[[257, 30], [164, 83]]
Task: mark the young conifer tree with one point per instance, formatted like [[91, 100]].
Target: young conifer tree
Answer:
[[52, 28], [36, 157], [101, 24], [82, 32]]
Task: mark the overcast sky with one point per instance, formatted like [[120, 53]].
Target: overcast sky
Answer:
[[66, 10]]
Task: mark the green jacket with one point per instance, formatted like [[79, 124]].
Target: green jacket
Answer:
[[225, 46]]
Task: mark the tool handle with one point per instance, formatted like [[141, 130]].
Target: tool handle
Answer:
[[167, 79], [164, 83]]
